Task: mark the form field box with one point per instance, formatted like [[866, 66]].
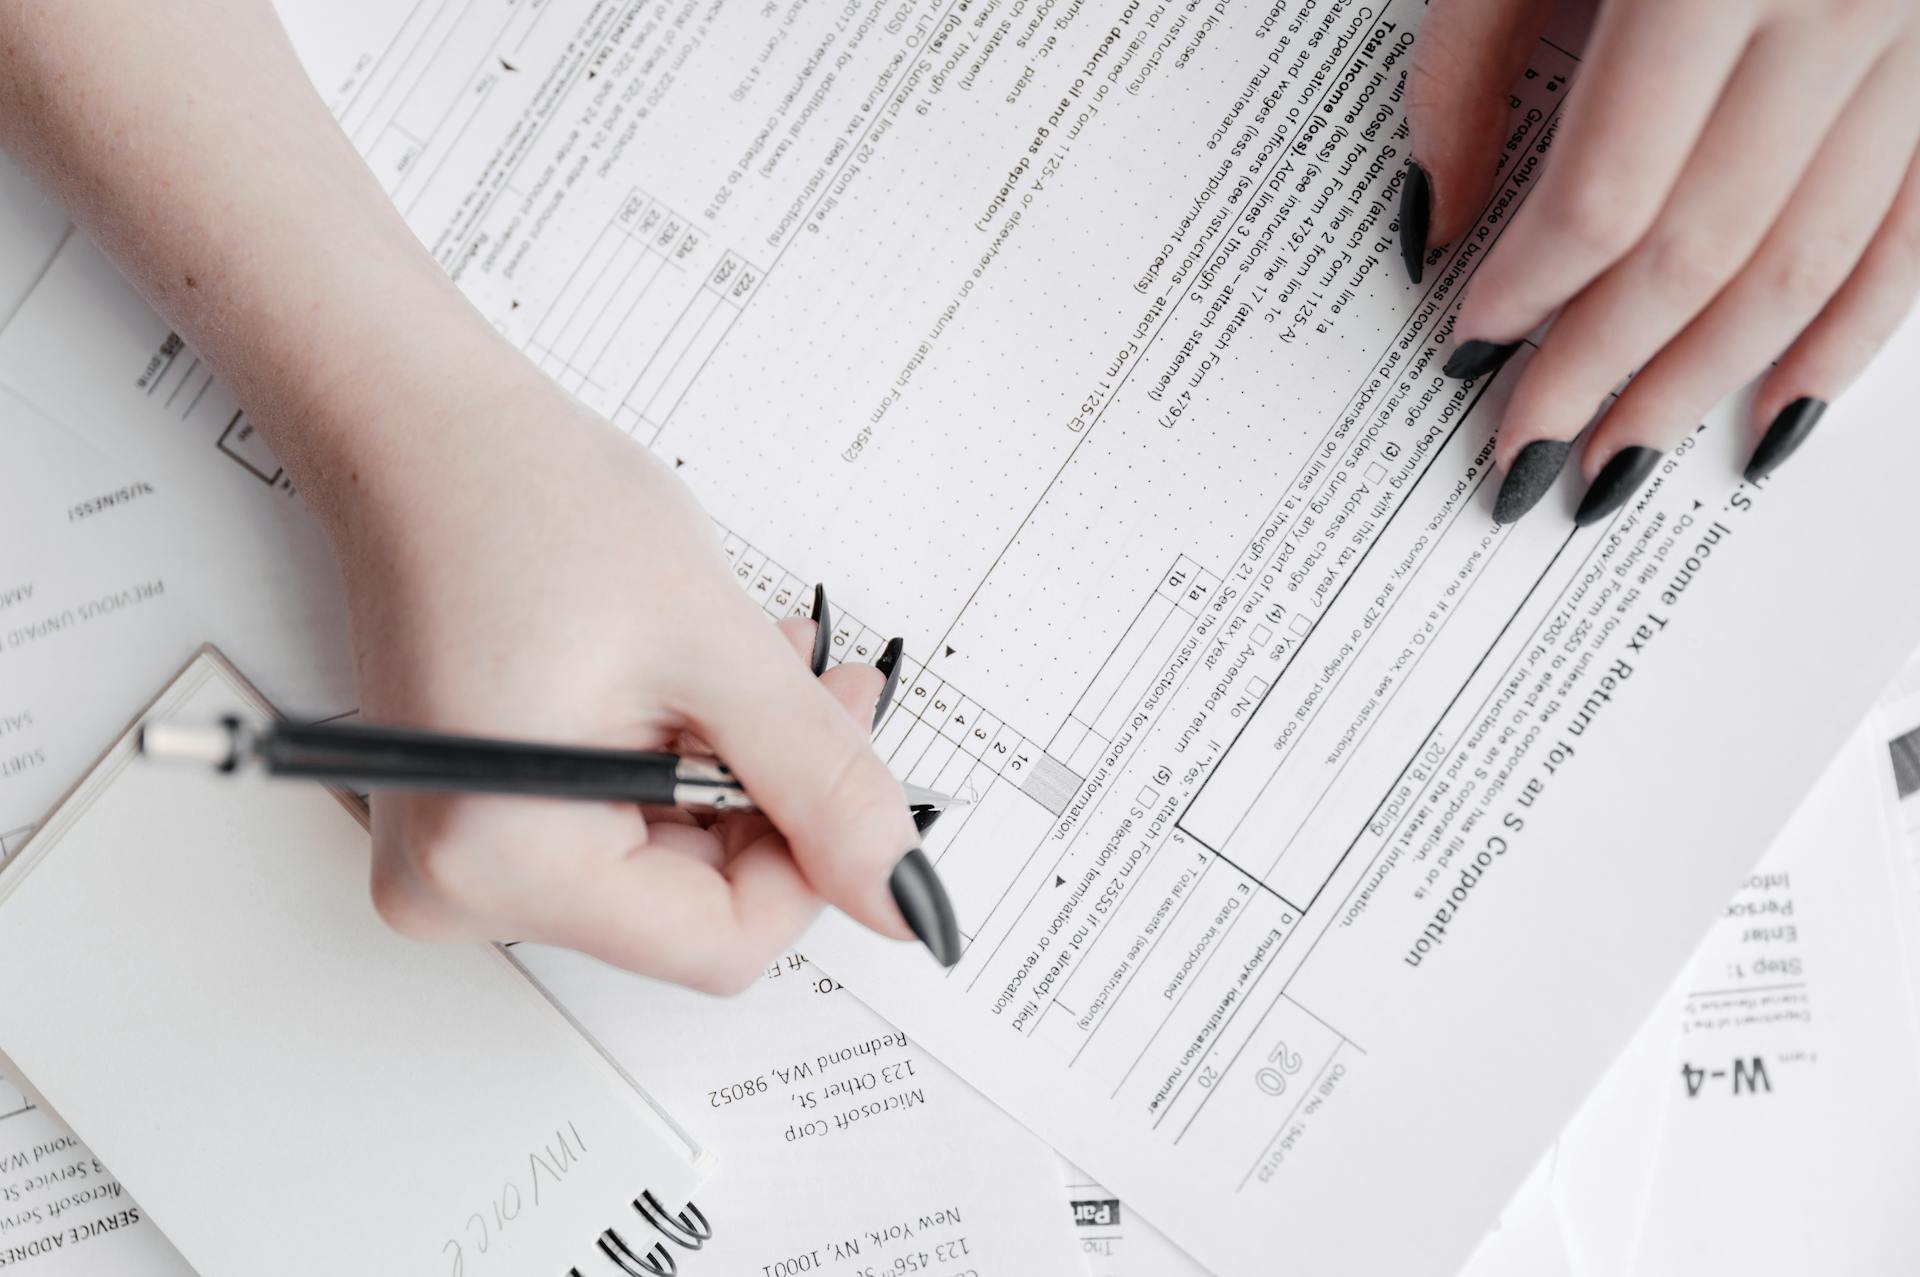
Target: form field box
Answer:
[[1133, 645], [1087, 753], [1002, 830], [391, 158], [933, 760], [953, 775], [1051, 783], [1068, 738]]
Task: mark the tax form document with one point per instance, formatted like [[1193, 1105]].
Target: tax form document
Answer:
[[1329, 839], [848, 1151], [1791, 1133], [1762, 1121]]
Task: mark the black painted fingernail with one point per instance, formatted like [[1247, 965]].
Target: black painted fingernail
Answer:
[[1784, 437], [822, 632], [888, 664], [923, 903], [1477, 358], [1531, 474], [1416, 213], [923, 817], [1619, 479]]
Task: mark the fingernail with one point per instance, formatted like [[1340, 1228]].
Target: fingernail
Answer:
[[1619, 479], [1477, 358], [1416, 213], [923, 903], [1528, 479], [1784, 437], [888, 664], [923, 818], [822, 632]]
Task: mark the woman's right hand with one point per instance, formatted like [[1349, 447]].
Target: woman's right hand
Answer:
[[514, 566], [553, 582]]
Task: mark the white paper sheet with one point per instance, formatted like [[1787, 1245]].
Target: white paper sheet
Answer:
[[1114, 1240], [31, 230], [1283, 898], [1527, 1241], [110, 578], [238, 1035], [847, 1150], [1766, 1119], [1791, 1142], [1604, 1157], [62, 1213]]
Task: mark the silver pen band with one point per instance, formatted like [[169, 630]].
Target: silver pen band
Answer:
[[699, 782]]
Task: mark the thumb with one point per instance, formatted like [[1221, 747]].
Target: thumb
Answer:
[[1465, 59], [809, 767]]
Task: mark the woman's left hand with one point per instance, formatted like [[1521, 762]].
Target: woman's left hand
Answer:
[[1729, 182]]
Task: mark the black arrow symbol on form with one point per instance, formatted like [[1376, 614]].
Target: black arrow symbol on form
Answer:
[[949, 650], [1058, 881]]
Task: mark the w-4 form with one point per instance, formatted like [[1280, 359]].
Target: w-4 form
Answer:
[[1329, 837]]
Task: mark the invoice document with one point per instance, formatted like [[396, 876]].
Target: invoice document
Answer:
[[31, 231], [846, 1150], [62, 1213], [1330, 839]]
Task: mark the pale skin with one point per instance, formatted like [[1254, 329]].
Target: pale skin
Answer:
[[514, 566], [1732, 184]]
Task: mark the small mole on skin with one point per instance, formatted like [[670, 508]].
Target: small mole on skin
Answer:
[[354, 477], [192, 282]]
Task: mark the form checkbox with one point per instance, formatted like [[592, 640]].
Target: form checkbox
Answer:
[[1258, 686], [1375, 472], [1148, 796], [1299, 625], [1261, 634]]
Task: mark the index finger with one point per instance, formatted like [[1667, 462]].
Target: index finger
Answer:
[[1465, 58], [811, 769], [1653, 73]]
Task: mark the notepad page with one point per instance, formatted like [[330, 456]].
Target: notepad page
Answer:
[[200, 986]]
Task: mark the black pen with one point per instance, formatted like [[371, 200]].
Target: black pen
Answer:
[[365, 757]]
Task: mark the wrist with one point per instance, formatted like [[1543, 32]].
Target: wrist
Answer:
[[399, 397]]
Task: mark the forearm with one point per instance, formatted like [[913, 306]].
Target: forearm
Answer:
[[188, 141]]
